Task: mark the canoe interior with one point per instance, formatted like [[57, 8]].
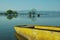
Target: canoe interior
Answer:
[[47, 28]]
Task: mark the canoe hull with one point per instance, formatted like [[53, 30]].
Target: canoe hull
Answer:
[[34, 34]]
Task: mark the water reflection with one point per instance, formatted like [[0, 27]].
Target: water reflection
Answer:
[[33, 19], [20, 37], [30, 16], [38, 15], [11, 16]]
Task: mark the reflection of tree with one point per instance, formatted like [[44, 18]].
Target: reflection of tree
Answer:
[[15, 14], [9, 17], [33, 19], [30, 14], [38, 15]]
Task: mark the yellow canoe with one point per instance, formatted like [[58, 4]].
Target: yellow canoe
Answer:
[[39, 32]]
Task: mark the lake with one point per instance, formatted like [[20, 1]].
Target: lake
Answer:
[[7, 31]]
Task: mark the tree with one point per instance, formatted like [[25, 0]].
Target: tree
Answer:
[[32, 13], [9, 12]]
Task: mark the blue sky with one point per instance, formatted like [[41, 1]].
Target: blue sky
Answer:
[[43, 5]]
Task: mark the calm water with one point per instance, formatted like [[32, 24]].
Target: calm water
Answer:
[[7, 31]]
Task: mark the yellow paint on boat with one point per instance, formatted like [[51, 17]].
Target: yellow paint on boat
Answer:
[[35, 34], [48, 27]]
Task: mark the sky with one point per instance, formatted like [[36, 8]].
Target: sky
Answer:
[[43, 5]]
